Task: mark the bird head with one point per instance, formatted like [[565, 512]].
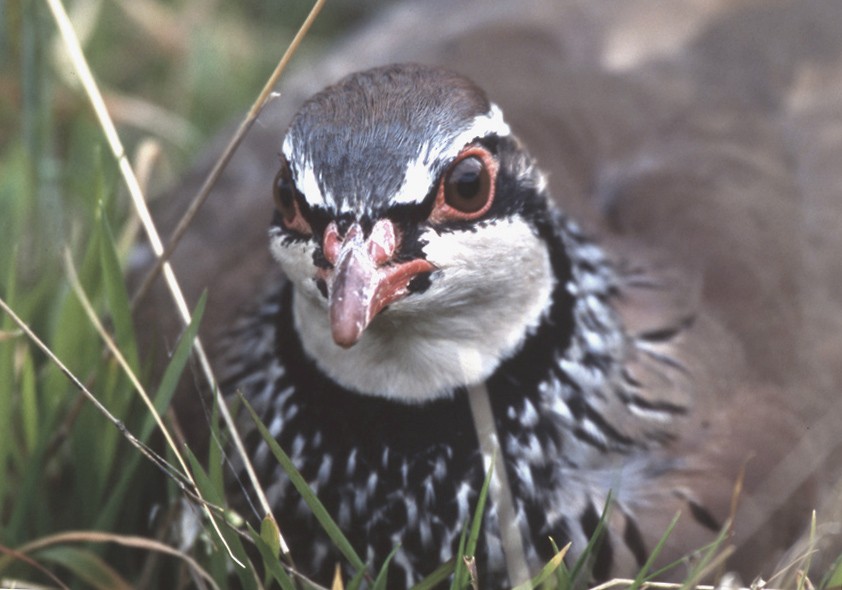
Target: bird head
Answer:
[[412, 225]]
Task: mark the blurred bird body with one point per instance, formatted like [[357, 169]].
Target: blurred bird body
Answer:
[[611, 240]]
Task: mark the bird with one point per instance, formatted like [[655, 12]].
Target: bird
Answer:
[[607, 247]]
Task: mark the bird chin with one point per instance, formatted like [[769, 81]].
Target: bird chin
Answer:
[[477, 312], [420, 369], [455, 334]]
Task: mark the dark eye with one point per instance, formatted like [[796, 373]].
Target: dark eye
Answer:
[[288, 201], [284, 193], [467, 186]]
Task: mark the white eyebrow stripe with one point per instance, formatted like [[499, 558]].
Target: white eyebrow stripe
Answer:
[[491, 123], [308, 185], [286, 147], [305, 177], [418, 178]]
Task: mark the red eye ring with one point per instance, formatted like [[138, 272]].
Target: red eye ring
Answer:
[[466, 189], [286, 198]]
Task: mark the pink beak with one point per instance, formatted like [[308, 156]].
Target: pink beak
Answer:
[[365, 279]]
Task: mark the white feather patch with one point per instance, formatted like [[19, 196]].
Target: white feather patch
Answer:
[[418, 176], [483, 302]]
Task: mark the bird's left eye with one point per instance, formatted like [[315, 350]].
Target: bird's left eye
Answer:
[[467, 188]]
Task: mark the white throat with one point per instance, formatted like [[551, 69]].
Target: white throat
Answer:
[[478, 311]]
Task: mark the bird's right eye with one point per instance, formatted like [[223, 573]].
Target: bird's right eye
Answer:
[[284, 193], [286, 201]]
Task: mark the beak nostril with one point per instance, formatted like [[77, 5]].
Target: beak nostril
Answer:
[[332, 243], [344, 224], [365, 278], [380, 245]]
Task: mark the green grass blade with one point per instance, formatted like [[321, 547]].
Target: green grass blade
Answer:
[[593, 542], [710, 554], [215, 495], [30, 419], [479, 511], [169, 382], [116, 294], [273, 565], [271, 535], [681, 561], [563, 581], [71, 336], [7, 382], [834, 577], [383, 575], [460, 573], [641, 575], [17, 194], [803, 580], [357, 581], [438, 576], [547, 571], [468, 544], [215, 447], [161, 400], [339, 539], [74, 340], [28, 497], [210, 491]]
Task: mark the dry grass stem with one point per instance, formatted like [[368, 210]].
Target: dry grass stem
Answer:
[[626, 582], [121, 360], [186, 219], [147, 155], [176, 475], [500, 491], [204, 192], [82, 69], [124, 540], [718, 561], [21, 556]]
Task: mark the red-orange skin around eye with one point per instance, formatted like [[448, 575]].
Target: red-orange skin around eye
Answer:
[[364, 278], [297, 223], [442, 211]]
